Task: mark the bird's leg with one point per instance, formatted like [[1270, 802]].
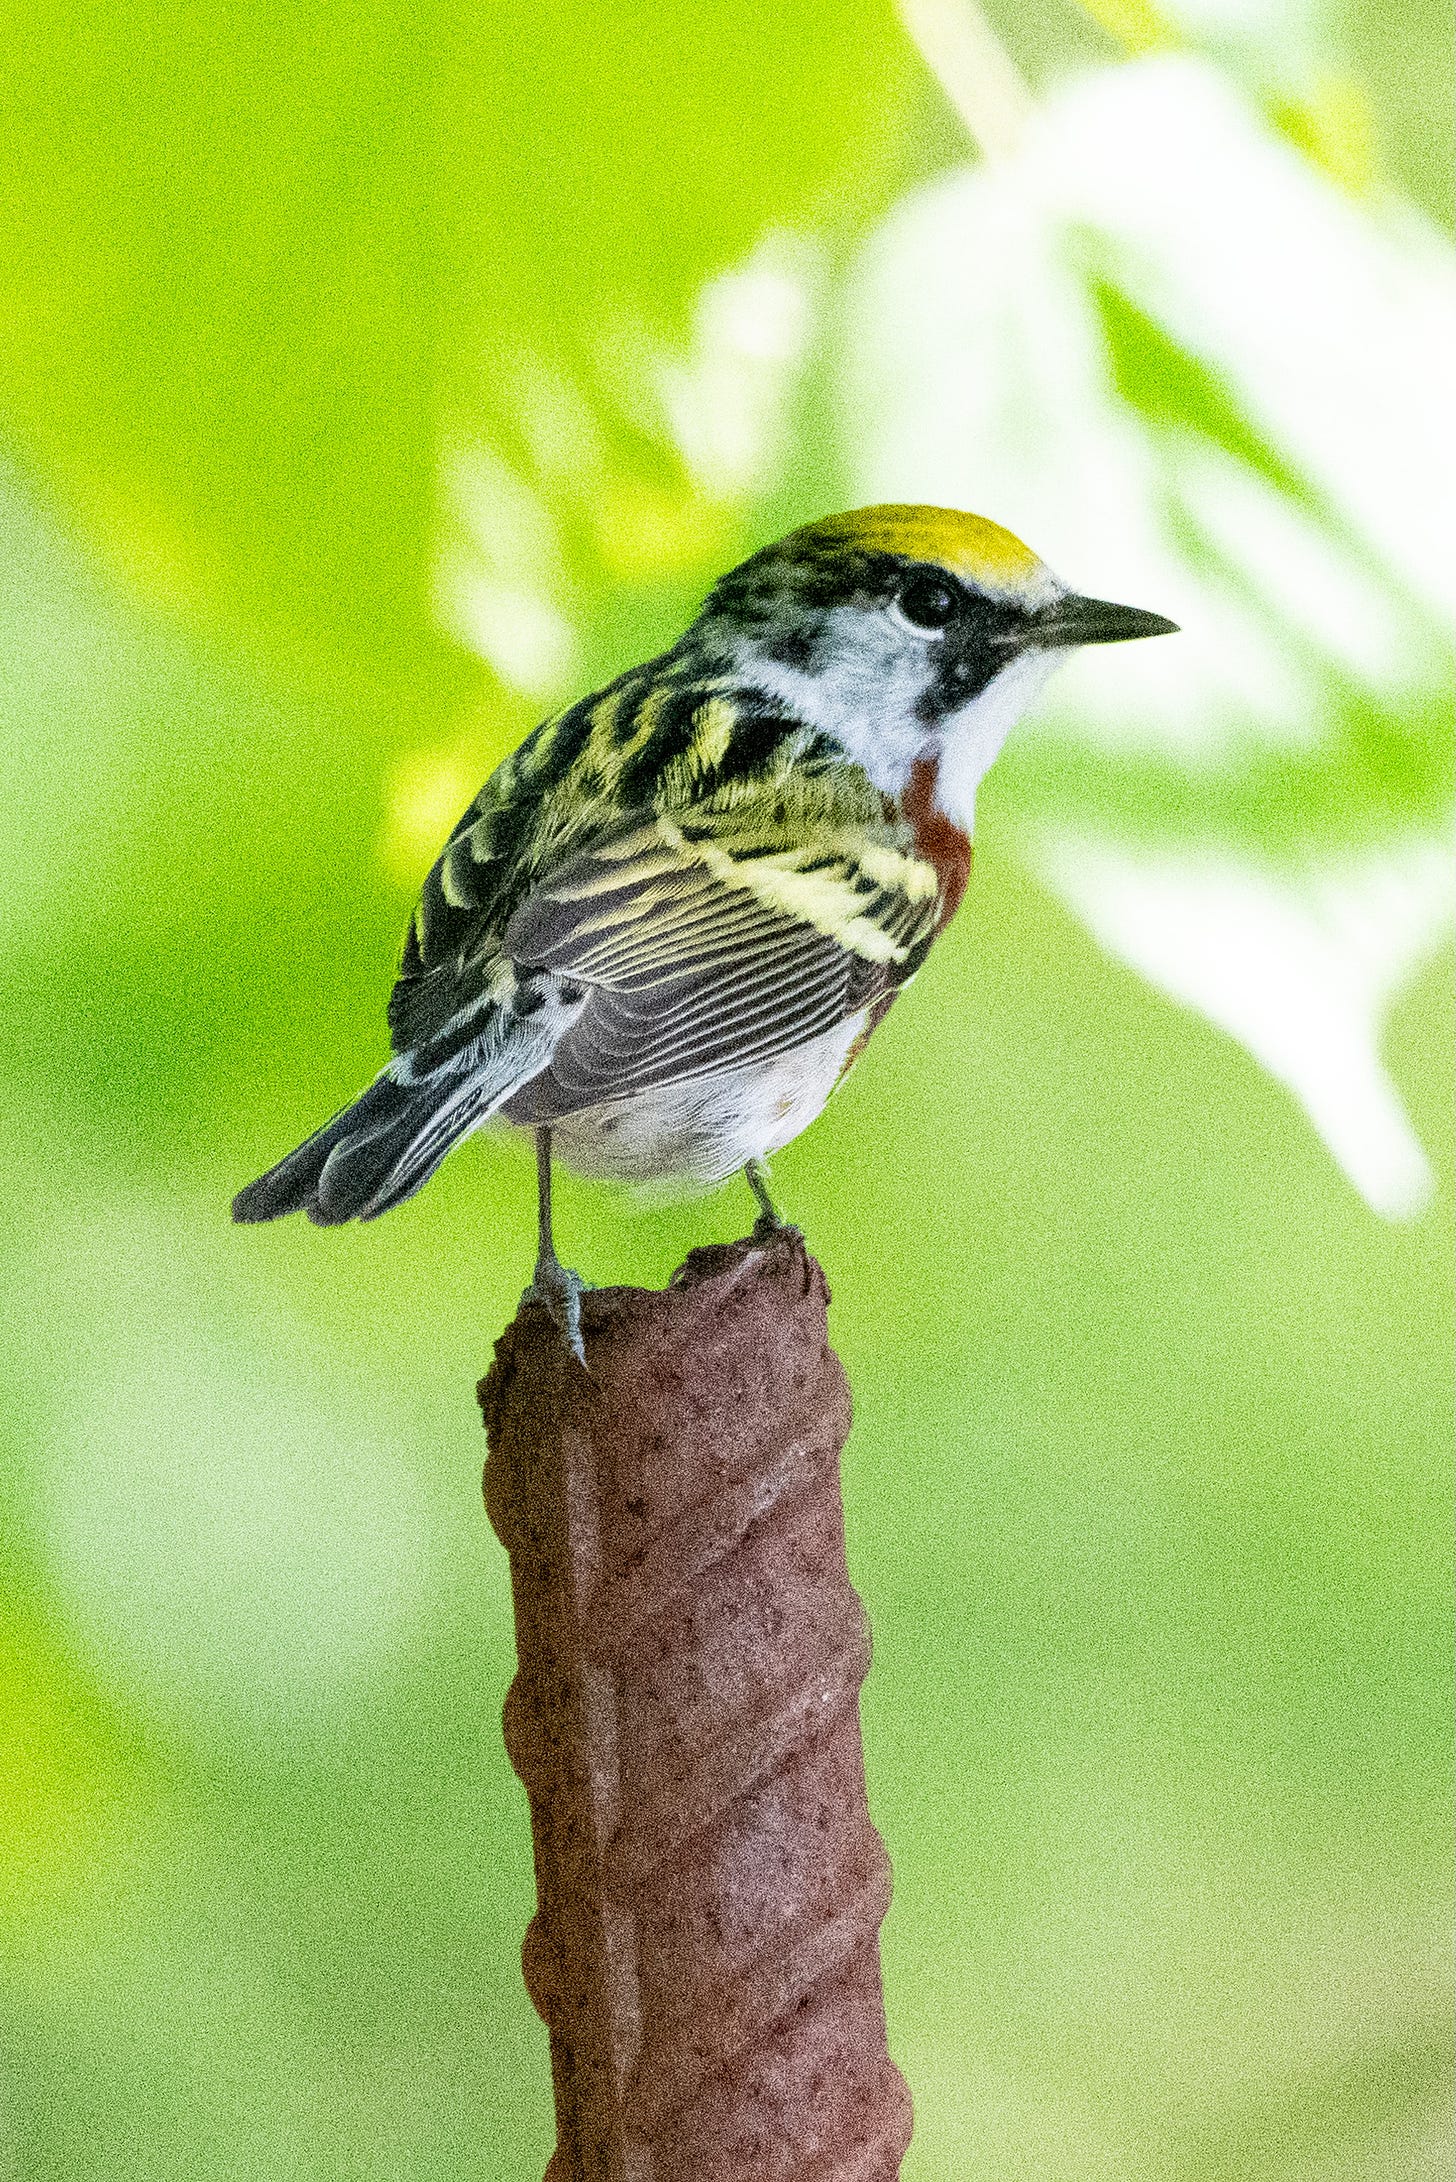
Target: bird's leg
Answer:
[[768, 1224], [553, 1283]]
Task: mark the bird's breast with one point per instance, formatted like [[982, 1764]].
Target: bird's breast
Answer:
[[702, 1128], [937, 838]]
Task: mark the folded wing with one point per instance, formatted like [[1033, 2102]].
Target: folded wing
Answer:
[[698, 954]]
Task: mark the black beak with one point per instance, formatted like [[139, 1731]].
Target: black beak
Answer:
[[1075, 620]]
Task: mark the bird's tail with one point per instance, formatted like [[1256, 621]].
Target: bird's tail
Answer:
[[371, 1156]]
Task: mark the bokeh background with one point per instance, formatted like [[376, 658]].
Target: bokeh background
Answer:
[[373, 379]]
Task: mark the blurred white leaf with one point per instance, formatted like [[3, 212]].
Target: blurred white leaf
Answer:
[[1278, 41], [530, 644], [977, 372], [1281, 482], [498, 575], [1302, 969], [725, 401], [1307, 583], [974, 69], [1331, 324]]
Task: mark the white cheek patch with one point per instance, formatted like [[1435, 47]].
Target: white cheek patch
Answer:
[[867, 695], [971, 738]]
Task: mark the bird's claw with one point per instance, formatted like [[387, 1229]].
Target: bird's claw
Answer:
[[768, 1227], [559, 1292]]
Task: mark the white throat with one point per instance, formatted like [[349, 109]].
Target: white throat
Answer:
[[867, 697], [971, 738]]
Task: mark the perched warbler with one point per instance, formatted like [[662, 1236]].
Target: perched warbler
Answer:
[[668, 923]]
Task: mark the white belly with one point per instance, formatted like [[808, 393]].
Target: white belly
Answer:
[[705, 1129]]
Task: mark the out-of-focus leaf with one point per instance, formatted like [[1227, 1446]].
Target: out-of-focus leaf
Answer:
[[642, 474], [980, 367], [1301, 969], [1197, 376], [1269, 35], [499, 576], [226, 1523], [724, 402]]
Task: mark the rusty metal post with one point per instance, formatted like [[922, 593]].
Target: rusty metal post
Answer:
[[685, 1719]]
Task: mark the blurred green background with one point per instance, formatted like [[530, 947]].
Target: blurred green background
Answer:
[[370, 380]]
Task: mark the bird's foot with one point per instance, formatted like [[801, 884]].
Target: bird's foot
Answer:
[[768, 1227], [560, 1291]]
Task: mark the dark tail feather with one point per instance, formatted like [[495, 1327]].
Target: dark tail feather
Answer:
[[373, 1155]]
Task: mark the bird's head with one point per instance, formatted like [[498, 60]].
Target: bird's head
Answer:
[[907, 633]]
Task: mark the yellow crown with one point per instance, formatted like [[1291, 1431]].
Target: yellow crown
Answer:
[[968, 546]]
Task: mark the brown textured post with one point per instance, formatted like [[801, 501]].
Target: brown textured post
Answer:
[[685, 1719]]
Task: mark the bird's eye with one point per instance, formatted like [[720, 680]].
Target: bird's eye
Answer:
[[926, 603]]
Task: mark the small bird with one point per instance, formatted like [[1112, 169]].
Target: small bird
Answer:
[[669, 922]]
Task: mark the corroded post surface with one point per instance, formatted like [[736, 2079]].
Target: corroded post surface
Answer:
[[685, 1719]]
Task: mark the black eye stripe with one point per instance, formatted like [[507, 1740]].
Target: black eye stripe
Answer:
[[927, 602]]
